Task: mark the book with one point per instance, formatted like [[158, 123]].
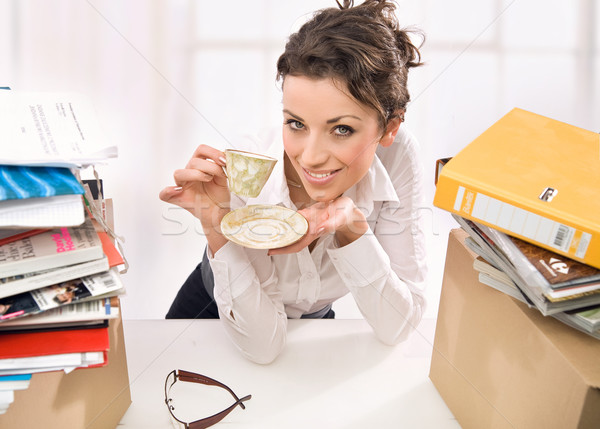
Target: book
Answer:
[[61, 210], [585, 320], [55, 326], [589, 318], [15, 381], [57, 362], [18, 377], [7, 397], [79, 314], [10, 235], [576, 291], [34, 280], [14, 285], [555, 275], [110, 250], [555, 271], [25, 353], [581, 280], [25, 345], [534, 293], [79, 290], [22, 182], [52, 129], [489, 269], [34, 197], [55, 248], [533, 178]]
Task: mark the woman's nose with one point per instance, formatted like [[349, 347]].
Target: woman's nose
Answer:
[[314, 153]]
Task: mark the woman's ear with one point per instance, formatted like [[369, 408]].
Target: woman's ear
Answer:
[[392, 129]]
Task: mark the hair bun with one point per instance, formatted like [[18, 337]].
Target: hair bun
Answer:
[[409, 51]]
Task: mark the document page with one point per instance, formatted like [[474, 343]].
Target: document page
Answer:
[[58, 129]]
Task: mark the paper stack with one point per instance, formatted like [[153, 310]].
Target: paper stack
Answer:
[[526, 192], [533, 275], [59, 279]]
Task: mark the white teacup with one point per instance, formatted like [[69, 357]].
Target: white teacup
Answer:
[[247, 172]]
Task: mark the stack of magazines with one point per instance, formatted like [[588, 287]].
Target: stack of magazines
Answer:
[[526, 192], [557, 286], [59, 278]]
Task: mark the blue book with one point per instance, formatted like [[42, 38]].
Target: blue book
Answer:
[[20, 182], [15, 377]]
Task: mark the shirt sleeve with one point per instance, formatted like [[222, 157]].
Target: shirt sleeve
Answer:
[[385, 269], [249, 302]]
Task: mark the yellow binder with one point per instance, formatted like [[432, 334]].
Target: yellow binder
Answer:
[[531, 177]]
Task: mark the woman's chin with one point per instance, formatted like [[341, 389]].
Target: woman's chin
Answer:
[[322, 197]]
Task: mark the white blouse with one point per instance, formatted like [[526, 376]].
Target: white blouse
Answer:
[[384, 270]]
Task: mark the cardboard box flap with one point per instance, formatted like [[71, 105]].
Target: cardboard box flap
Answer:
[[582, 350]]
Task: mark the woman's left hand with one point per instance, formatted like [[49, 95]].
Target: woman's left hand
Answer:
[[340, 216]]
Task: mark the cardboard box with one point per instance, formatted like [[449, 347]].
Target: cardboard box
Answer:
[[94, 398], [499, 364]]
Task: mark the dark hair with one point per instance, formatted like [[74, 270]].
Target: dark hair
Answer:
[[362, 46]]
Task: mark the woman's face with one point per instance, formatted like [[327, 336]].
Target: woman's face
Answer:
[[328, 136]]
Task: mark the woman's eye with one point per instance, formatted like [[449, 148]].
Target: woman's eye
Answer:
[[343, 130], [295, 125]]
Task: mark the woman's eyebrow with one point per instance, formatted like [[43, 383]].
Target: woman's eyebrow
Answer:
[[338, 118], [291, 114], [329, 121]]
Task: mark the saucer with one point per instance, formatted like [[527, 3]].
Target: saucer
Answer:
[[264, 226]]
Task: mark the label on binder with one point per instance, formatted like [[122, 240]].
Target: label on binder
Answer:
[[521, 222]]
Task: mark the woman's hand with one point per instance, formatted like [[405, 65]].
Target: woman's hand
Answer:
[[201, 187], [340, 216]]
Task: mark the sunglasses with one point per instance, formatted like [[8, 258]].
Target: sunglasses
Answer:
[[178, 374]]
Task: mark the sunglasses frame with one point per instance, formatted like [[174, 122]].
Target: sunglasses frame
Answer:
[[192, 377]]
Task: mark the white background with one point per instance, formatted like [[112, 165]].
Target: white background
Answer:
[[165, 76]]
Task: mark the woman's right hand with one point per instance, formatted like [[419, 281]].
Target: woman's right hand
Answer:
[[201, 187]]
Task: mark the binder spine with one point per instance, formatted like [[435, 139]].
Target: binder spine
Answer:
[[553, 234]]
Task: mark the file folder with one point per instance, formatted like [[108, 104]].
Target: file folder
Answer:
[[531, 177]]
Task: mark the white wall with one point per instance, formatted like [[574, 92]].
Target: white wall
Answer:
[[165, 76]]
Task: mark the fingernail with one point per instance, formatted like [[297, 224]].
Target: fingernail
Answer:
[[223, 160], [320, 230]]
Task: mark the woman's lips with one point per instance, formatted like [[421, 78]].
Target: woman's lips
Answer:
[[319, 177]]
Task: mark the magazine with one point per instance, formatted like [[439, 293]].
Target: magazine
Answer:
[[99, 285]]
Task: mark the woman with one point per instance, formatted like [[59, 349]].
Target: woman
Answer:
[[347, 166]]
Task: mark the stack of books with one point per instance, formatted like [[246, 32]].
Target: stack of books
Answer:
[[59, 279], [526, 192]]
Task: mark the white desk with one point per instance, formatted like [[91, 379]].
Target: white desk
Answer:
[[332, 374]]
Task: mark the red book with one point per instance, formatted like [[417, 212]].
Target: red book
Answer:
[[9, 237], [53, 342], [110, 250]]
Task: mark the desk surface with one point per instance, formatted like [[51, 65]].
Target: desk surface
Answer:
[[332, 374]]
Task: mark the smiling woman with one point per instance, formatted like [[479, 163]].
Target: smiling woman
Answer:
[[329, 139], [347, 166]]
